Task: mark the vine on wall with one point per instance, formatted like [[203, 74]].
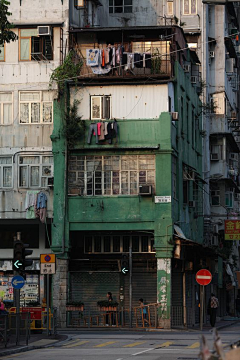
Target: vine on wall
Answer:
[[74, 125]]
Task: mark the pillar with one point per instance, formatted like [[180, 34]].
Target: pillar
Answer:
[[59, 290]]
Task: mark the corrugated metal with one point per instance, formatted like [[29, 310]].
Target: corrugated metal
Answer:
[[128, 102]]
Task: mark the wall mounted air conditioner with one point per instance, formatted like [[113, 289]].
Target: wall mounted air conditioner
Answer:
[[145, 189], [212, 54], [193, 79], [215, 157], [174, 115], [187, 68], [50, 181], [44, 30], [191, 204]]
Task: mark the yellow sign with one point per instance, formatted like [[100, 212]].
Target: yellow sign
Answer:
[[47, 258], [232, 229]]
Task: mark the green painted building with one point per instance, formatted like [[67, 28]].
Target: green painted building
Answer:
[[136, 185]]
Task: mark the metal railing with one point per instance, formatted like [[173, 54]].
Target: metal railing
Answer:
[[14, 328]]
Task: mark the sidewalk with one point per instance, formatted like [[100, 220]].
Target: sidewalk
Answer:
[[36, 341]]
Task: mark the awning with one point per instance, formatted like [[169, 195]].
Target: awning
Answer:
[[180, 235]]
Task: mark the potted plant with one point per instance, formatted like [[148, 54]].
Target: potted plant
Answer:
[[106, 305], [75, 306]]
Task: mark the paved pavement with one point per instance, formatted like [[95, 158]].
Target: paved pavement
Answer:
[[122, 345]]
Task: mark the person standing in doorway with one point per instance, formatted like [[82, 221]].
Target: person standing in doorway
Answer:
[[213, 306], [237, 302]]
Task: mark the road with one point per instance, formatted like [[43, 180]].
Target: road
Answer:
[[123, 345]]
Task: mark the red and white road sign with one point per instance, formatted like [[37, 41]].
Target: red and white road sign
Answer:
[[203, 277]]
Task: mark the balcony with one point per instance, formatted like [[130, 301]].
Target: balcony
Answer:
[[122, 54]]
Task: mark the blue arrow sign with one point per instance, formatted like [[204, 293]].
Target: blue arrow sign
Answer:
[[18, 282]]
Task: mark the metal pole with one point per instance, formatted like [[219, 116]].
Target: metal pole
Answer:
[[130, 285], [47, 304], [184, 301], [17, 298], [201, 306]]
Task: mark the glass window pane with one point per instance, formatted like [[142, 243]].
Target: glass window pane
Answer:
[[29, 160], [127, 9], [96, 107], [46, 171], [127, 2], [124, 182], [115, 183], [107, 243], [47, 112], [186, 6], [23, 176], [7, 176], [24, 113], [7, 114], [144, 243], [135, 243], [5, 160], [47, 159], [34, 176], [126, 243], [110, 2], [116, 243], [5, 97], [1, 52], [25, 49], [133, 183], [88, 244], [152, 245], [118, 2], [193, 7], [30, 96], [118, 9], [35, 113], [47, 95], [97, 243], [29, 32]]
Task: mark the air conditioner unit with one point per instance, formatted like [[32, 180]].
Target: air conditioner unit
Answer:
[[50, 181], [211, 54], [193, 79], [174, 115], [233, 156], [215, 229], [191, 204], [145, 189], [187, 68], [215, 157], [44, 30]]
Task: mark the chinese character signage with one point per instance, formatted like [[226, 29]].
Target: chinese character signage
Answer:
[[232, 229]]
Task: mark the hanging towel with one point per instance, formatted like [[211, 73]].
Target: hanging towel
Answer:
[[92, 56], [103, 58]]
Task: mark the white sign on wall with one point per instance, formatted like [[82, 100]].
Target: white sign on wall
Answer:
[[163, 199]]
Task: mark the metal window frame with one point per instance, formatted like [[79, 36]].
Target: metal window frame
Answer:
[[102, 98], [2, 166], [28, 166], [123, 6], [41, 102]]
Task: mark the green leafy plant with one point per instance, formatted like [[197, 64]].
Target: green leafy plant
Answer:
[[175, 18], [156, 62], [107, 303], [69, 70], [6, 34], [182, 23], [73, 126]]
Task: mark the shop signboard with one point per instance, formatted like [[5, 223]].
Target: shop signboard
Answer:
[[232, 230]]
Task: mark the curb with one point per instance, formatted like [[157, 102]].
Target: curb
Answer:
[[32, 347]]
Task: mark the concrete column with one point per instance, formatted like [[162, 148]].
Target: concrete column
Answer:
[[59, 289], [164, 291]]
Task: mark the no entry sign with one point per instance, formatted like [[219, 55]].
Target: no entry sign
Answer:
[[203, 277]]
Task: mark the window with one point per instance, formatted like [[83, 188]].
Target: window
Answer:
[[189, 7], [153, 47], [120, 6], [215, 197], [118, 244], [35, 107], [174, 177], [79, 4], [100, 107], [34, 171], [34, 47], [6, 106], [6, 177], [170, 7], [229, 199], [2, 53], [110, 175]]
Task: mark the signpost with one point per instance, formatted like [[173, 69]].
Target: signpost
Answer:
[[203, 278], [232, 230], [18, 282], [48, 266]]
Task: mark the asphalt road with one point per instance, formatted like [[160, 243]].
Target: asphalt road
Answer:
[[172, 345]]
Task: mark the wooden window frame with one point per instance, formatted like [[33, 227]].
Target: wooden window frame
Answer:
[[4, 53], [41, 102], [190, 7], [1, 108]]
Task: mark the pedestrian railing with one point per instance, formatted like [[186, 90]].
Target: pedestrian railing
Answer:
[[14, 328]]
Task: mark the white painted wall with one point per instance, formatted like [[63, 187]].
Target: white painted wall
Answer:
[[128, 102]]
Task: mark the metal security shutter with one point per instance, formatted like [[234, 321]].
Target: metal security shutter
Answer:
[[144, 286], [92, 287], [177, 299], [189, 299]]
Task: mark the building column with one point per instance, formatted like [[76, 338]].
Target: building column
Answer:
[[60, 291], [164, 292]]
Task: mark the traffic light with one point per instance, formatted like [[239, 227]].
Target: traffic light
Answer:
[[18, 256], [125, 264], [20, 251]]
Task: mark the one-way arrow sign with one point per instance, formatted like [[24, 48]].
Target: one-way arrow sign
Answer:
[[125, 271]]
